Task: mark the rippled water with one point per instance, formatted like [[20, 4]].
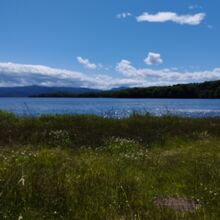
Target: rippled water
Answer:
[[111, 107]]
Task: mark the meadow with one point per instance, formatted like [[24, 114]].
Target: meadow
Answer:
[[89, 167]]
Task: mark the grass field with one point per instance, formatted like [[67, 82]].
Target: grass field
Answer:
[[88, 167]]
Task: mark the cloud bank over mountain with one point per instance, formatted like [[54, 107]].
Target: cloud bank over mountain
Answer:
[[13, 74]]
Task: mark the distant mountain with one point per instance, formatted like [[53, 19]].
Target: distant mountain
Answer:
[[27, 91]]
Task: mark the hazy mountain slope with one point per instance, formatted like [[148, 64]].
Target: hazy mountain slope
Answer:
[[36, 90]]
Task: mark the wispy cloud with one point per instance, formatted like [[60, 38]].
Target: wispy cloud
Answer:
[[123, 15], [210, 26], [153, 58], [161, 17], [86, 63], [193, 7]]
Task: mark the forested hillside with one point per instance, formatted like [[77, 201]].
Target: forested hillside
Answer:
[[194, 90]]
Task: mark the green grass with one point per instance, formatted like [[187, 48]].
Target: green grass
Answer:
[[86, 167]]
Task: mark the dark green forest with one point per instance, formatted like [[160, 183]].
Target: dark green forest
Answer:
[[209, 89]]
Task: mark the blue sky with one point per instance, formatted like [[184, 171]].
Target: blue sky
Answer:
[[104, 44]]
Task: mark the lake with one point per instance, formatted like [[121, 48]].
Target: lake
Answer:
[[111, 107]]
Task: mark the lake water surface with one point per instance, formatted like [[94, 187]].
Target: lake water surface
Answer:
[[111, 107]]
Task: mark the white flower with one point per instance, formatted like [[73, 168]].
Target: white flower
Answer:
[[20, 217], [22, 182]]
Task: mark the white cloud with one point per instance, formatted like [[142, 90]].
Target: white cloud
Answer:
[[172, 17], [153, 58], [166, 75], [125, 67], [86, 63], [123, 15], [12, 74]]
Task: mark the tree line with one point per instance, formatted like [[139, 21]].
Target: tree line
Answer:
[[209, 89]]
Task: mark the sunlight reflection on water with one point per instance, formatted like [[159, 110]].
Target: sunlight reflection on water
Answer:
[[117, 108]]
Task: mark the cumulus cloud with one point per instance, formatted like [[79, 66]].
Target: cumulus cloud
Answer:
[[172, 76], [172, 17], [86, 63], [123, 15], [125, 67], [153, 58]]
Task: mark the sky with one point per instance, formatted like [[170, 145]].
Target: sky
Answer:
[[108, 43]]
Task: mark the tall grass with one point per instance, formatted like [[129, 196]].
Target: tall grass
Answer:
[[84, 130], [86, 167]]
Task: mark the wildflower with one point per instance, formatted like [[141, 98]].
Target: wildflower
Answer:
[[22, 181], [20, 217]]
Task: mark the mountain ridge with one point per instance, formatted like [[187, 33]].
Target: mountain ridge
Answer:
[[27, 91]]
